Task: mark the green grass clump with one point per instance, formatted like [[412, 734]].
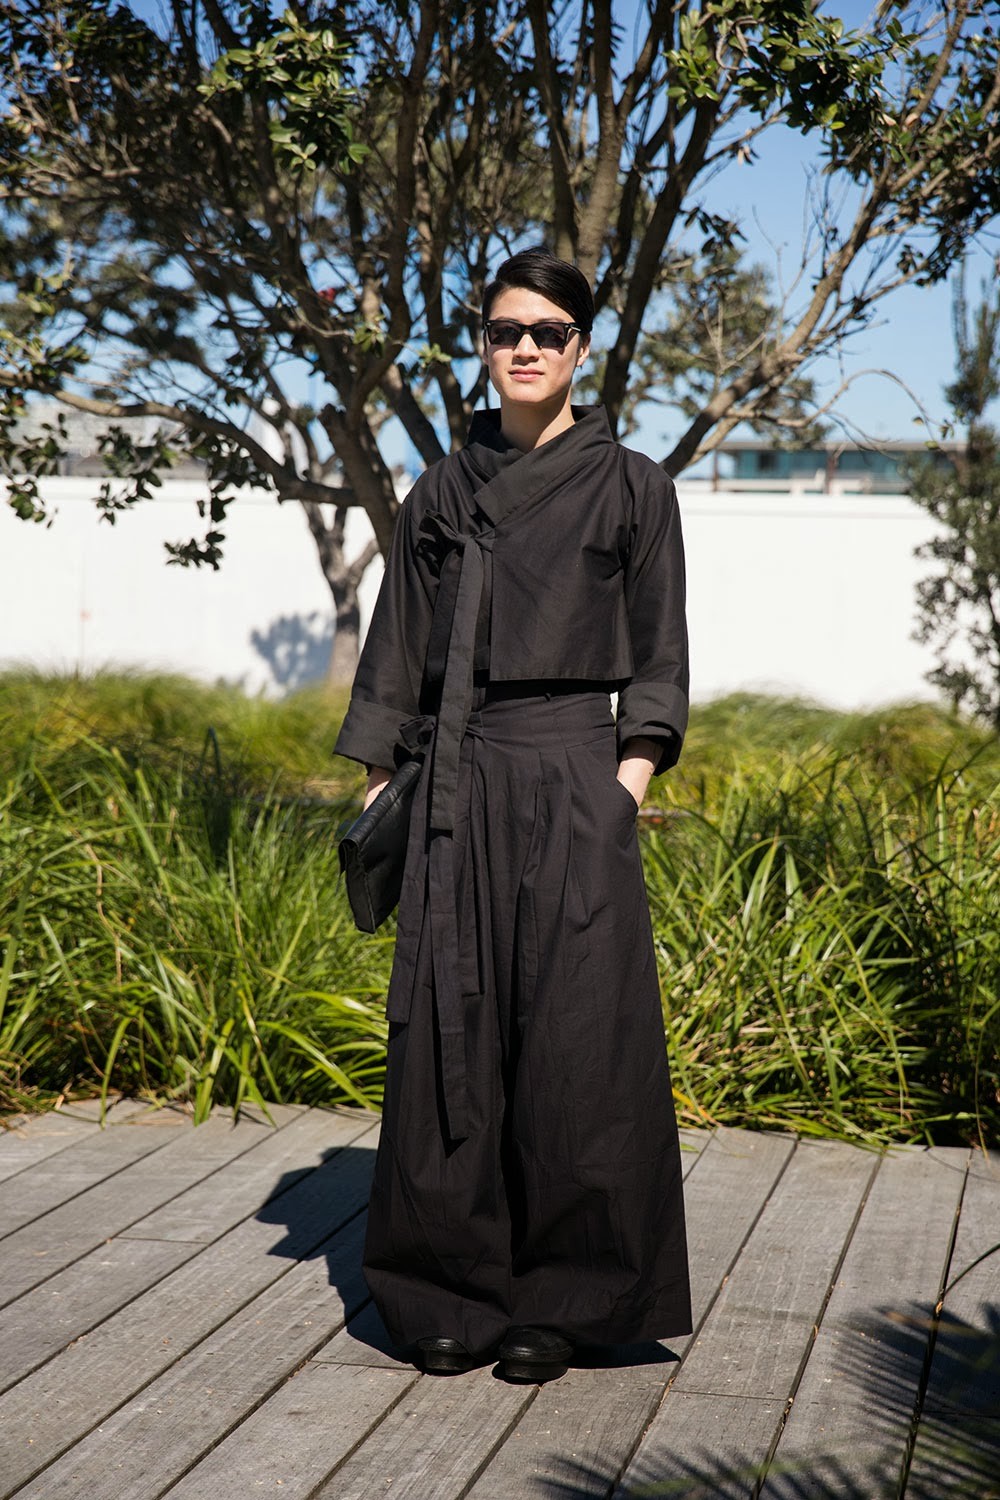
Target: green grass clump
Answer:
[[824, 887], [171, 938], [756, 739], [831, 955], [166, 717], [169, 902]]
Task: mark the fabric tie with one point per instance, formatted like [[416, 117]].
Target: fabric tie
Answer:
[[439, 537]]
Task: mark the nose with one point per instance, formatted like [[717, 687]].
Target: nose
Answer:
[[533, 347]]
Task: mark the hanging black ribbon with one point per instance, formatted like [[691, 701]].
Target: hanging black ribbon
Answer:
[[440, 539]]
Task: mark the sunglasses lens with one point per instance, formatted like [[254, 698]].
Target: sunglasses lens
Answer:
[[504, 335], [549, 335]]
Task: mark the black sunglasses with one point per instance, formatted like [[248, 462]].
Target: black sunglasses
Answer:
[[505, 333]]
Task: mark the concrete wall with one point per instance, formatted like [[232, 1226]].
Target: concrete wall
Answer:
[[809, 594], [81, 594]]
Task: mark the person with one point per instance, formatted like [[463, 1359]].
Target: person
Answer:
[[527, 1188]]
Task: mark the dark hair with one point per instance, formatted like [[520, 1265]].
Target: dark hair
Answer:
[[536, 270]]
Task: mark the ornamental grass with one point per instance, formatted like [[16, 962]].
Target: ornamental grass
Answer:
[[824, 890]]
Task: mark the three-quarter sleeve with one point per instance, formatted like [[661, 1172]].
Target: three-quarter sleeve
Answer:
[[387, 684], [654, 703]]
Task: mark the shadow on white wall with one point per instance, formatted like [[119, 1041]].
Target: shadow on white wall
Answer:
[[296, 648]]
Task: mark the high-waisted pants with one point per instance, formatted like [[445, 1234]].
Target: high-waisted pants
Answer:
[[562, 1208]]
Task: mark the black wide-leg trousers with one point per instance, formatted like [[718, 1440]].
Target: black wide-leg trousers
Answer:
[[562, 1207]]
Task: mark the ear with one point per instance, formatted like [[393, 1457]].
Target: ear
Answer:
[[584, 349]]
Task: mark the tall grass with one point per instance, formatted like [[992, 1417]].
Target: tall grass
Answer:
[[176, 934], [288, 742], [825, 892], [830, 953]]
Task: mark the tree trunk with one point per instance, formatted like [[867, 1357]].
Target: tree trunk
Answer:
[[343, 580], [346, 633]]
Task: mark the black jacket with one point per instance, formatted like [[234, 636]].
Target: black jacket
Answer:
[[581, 578]]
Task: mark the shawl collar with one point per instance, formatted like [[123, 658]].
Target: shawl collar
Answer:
[[505, 479]]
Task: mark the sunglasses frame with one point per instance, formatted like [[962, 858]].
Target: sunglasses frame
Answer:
[[567, 329]]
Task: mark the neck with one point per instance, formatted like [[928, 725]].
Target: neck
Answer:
[[528, 427]]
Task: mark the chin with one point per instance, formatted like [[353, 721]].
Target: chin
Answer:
[[532, 393]]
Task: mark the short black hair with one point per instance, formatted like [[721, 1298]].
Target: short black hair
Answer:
[[537, 270]]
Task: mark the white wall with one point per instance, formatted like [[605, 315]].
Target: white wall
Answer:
[[805, 593], [808, 593], [82, 594]]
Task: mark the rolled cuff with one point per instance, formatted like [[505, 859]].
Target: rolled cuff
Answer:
[[655, 711], [370, 733]]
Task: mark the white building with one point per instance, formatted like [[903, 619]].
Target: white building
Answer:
[[804, 587]]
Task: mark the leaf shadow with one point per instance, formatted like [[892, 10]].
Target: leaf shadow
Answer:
[[296, 648], [930, 1390]]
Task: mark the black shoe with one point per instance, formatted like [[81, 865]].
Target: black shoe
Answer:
[[534, 1354], [444, 1357]]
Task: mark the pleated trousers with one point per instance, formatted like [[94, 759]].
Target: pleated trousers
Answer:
[[562, 1207]]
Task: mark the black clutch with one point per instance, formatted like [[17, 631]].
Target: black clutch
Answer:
[[372, 851]]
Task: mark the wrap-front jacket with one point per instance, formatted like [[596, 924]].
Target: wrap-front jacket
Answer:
[[563, 563]]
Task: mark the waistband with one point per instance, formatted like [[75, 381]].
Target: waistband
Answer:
[[556, 716]]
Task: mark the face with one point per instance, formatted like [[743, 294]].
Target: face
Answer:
[[527, 375]]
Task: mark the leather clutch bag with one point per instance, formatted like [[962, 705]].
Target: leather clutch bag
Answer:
[[372, 851]]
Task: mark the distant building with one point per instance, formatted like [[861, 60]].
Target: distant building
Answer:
[[830, 468], [83, 431]]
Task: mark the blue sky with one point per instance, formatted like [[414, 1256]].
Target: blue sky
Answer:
[[911, 334]]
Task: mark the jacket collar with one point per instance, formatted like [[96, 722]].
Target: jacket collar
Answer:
[[489, 452]]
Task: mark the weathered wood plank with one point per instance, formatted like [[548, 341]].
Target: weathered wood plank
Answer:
[[955, 1460], [585, 1428], [693, 1143], [965, 1372], [853, 1408], [210, 1207], [299, 1436], [83, 1294], [155, 1438], [723, 1197], [755, 1338], [59, 1403], [590, 1422], [363, 1341], [434, 1443], [45, 1245], [118, 1111], [39, 1324], [720, 1436], [185, 1384], [24, 1142], [958, 1440], [760, 1329], [94, 1158]]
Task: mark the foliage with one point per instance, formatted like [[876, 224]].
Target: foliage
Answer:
[[831, 955], [167, 935], [824, 890], [200, 207], [262, 745], [960, 602]]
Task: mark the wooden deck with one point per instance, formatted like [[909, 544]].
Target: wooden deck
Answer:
[[182, 1314]]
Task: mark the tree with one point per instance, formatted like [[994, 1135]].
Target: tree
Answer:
[[196, 214], [959, 604]]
